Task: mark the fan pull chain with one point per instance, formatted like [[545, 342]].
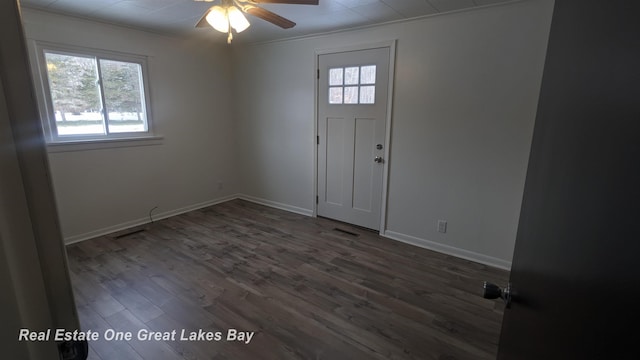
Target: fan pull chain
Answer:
[[230, 37]]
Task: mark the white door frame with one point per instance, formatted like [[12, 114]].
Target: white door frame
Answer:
[[391, 44]]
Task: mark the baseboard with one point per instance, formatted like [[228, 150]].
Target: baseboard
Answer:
[[445, 249], [159, 216], [449, 250], [277, 205]]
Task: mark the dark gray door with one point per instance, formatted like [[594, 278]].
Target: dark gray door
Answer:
[[576, 267]]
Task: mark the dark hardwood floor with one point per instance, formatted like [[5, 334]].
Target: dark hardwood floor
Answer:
[[305, 289]]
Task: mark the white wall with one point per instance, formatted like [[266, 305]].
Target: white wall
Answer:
[[466, 90], [103, 190]]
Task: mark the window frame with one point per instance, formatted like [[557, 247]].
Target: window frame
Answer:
[[46, 107]]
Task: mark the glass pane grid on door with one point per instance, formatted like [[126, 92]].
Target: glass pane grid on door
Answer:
[[352, 85]]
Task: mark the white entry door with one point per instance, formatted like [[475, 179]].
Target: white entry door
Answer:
[[352, 110]]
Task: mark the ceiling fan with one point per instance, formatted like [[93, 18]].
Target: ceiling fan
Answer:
[[229, 15]]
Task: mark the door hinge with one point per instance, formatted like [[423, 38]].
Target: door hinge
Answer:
[[318, 74], [317, 199], [318, 140]]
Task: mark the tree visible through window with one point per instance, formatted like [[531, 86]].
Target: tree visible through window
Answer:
[[95, 96]]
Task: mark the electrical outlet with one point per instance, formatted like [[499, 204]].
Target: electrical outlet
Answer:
[[442, 226]]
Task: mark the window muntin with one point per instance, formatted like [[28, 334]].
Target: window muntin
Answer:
[[94, 95], [352, 85]]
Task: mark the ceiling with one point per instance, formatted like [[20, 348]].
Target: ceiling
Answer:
[[180, 16]]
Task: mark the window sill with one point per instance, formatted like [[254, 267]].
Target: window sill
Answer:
[[83, 145]]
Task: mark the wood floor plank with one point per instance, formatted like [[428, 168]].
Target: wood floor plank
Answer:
[[305, 289], [188, 350], [124, 321], [106, 350]]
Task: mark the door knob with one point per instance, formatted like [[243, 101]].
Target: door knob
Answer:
[[492, 291], [377, 159]]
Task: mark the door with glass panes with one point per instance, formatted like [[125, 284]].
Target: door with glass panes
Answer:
[[352, 110]]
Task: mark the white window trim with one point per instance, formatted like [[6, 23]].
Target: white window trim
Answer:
[[88, 142]]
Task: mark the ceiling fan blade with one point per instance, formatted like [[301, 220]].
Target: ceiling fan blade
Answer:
[[271, 17], [295, 2], [203, 20]]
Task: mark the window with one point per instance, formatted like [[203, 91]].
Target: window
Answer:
[[352, 85], [93, 95]]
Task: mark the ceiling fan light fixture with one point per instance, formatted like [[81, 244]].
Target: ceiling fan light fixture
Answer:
[[217, 18], [237, 20], [228, 16]]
